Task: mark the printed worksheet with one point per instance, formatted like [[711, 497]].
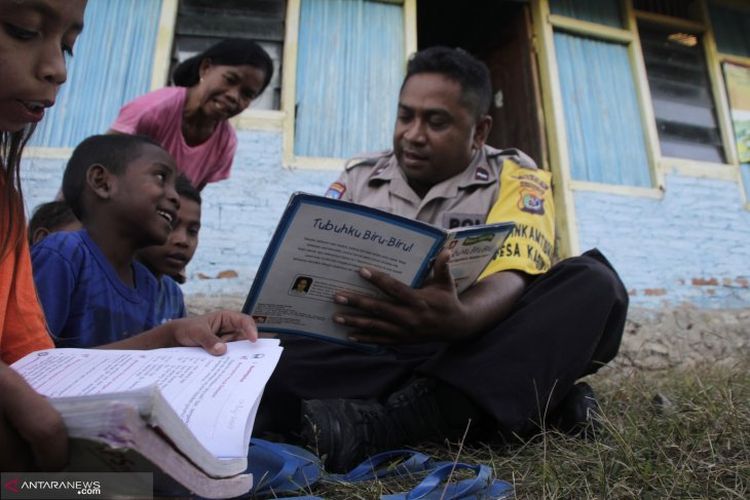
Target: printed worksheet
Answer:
[[209, 393]]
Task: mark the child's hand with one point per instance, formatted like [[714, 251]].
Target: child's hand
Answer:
[[31, 430], [212, 330]]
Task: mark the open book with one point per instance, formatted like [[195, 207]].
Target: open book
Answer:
[[180, 409], [321, 243]]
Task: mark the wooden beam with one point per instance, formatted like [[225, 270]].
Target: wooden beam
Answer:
[[594, 30], [567, 229], [289, 80], [721, 99], [163, 46]]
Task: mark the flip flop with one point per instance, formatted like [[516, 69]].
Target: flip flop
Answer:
[[281, 468], [401, 462], [499, 490], [434, 486]]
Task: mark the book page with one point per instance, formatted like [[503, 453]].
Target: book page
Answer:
[[214, 395], [472, 249], [317, 251]]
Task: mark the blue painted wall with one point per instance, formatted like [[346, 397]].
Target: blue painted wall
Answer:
[[691, 246]]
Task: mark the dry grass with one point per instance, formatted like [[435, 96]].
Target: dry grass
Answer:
[[669, 434]]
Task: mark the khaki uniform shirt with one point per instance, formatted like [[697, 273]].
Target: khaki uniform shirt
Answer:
[[463, 200]]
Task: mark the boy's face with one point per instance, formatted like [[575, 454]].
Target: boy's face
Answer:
[[34, 36], [144, 200], [172, 257], [435, 134]]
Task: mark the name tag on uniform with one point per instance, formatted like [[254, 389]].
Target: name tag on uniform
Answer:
[[453, 219]]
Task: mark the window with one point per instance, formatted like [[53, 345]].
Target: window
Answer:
[[730, 27], [112, 65], [680, 93], [350, 64], [605, 134], [603, 124]]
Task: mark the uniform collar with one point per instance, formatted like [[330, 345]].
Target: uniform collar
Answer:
[[479, 172], [387, 170]]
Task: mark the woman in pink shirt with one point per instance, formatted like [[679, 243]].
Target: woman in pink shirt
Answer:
[[190, 119]]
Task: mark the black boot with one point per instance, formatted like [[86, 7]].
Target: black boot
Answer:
[[578, 413], [346, 431]]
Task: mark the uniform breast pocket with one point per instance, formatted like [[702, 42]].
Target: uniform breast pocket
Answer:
[[455, 219]]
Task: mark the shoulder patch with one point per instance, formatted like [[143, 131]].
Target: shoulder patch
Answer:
[[367, 161], [481, 174], [335, 191], [380, 169], [518, 157]]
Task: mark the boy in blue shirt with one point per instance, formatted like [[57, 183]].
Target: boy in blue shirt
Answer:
[[167, 262], [92, 290]]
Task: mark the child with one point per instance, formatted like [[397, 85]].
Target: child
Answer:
[[168, 261], [92, 291], [51, 217], [32, 433], [190, 120]]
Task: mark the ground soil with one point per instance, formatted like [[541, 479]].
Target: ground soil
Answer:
[[653, 339]]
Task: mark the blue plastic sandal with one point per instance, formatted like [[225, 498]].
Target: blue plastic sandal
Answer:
[[435, 487], [391, 463], [499, 490], [280, 468]]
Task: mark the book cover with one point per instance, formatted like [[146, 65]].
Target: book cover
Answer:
[[320, 244]]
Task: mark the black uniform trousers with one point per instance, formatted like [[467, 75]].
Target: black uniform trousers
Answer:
[[567, 324]]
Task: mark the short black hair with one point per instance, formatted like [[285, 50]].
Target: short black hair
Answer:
[[229, 52], [50, 216], [185, 189], [460, 66], [115, 152]]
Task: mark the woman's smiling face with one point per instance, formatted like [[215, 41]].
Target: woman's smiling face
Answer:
[[227, 90], [35, 36]]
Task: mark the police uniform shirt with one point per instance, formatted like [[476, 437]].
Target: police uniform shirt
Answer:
[[498, 185]]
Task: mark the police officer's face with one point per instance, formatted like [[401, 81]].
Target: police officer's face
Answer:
[[435, 135]]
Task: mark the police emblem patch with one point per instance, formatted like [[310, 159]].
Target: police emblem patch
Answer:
[[531, 203], [335, 191]]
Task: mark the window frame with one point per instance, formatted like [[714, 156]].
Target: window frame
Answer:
[[545, 24], [289, 82], [715, 58], [250, 119]]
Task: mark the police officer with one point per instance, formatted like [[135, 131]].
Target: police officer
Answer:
[[499, 355]]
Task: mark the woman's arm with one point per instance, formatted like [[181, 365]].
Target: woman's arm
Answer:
[[31, 430]]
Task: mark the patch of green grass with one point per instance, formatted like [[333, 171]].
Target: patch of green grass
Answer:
[[682, 433]]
